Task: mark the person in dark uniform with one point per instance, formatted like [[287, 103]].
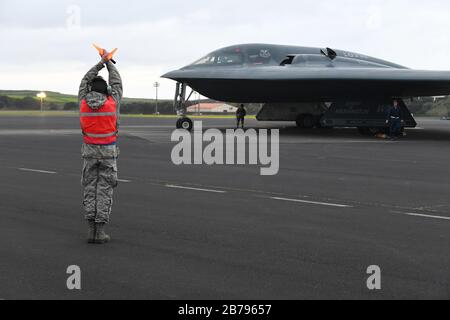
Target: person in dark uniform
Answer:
[[395, 120], [240, 116]]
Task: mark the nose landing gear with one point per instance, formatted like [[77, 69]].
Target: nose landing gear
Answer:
[[180, 106]]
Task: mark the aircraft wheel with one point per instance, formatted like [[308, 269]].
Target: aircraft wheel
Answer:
[[299, 121], [309, 121], [185, 123], [321, 126], [306, 121]]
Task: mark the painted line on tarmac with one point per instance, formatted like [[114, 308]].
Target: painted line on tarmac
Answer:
[[194, 189], [313, 202], [422, 215], [124, 181], [147, 127], [37, 171]]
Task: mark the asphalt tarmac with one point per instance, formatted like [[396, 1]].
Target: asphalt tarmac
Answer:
[[339, 204]]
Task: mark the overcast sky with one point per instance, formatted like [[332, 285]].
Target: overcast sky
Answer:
[[46, 45]]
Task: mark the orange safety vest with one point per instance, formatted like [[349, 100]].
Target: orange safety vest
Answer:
[[99, 126]]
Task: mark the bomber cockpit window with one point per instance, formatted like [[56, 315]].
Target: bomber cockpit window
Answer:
[[208, 60], [221, 58], [231, 58]]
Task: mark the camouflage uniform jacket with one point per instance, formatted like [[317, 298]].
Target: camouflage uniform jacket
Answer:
[[95, 101]]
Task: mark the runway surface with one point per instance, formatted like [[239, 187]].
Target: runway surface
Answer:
[[340, 203]]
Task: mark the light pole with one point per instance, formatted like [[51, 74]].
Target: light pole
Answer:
[[198, 103], [42, 96], [156, 85]]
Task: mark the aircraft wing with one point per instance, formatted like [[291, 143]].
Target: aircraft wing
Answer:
[[295, 84]]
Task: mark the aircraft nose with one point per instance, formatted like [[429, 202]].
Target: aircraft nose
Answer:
[[178, 75], [173, 75], [168, 75]]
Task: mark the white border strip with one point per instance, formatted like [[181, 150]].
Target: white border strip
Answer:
[[194, 189], [422, 215], [37, 171], [313, 202]]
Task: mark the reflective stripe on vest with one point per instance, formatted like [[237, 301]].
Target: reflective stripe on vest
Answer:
[[98, 114], [99, 126], [106, 135]]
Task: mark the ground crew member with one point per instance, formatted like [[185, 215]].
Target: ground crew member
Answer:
[[394, 119], [240, 115], [99, 118]]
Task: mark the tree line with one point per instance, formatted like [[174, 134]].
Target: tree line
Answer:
[[31, 103]]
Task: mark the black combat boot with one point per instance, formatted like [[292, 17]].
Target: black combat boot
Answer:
[[91, 232], [101, 237]]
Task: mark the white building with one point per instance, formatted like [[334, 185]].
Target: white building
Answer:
[[215, 107]]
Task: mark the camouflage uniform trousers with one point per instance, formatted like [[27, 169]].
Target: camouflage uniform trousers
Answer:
[[99, 179]]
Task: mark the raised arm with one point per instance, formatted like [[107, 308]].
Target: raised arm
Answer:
[[84, 86], [115, 81]]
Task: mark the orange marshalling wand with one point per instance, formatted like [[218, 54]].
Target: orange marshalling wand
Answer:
[[110, 55]]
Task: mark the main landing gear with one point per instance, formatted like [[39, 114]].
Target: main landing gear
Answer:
[[180, 106], [308, 121]]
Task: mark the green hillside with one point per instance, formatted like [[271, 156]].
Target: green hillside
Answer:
[[54, 97], [58, 98]]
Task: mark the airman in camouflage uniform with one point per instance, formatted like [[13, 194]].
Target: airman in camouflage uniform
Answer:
[[99, 175]]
